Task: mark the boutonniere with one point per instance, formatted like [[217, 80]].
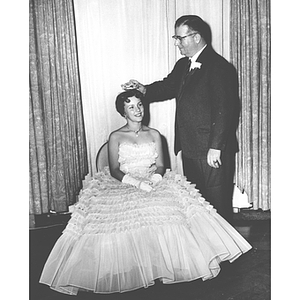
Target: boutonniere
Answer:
[[195, 65]]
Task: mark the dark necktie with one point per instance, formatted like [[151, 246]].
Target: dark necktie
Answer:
[[186, 72]]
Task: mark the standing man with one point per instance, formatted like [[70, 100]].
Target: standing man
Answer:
[[205, 87]]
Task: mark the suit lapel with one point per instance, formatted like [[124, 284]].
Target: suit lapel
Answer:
[[192, 74], [184, 77], [195, 74]]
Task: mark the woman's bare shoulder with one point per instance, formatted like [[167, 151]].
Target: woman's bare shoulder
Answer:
[[116, 134], [153, 131]]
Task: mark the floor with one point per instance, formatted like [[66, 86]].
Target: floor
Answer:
[[247, 278]]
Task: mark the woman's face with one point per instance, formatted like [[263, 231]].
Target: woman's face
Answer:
[[134, 109]]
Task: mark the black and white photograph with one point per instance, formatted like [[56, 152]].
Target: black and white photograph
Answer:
[[149, 146]]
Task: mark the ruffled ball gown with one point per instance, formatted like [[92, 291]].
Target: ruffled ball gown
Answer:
[[120, 238]]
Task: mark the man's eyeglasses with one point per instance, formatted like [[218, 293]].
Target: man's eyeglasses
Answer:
[[180, 38]]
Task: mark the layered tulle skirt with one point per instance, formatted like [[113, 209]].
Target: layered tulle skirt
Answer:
[[120, 238]]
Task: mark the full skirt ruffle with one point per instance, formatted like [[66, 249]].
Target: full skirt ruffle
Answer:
[[120, 238]]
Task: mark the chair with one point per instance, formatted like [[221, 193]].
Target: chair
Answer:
[[102, 157]]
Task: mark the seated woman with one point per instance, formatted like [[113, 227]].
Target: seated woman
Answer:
[[135, 223]]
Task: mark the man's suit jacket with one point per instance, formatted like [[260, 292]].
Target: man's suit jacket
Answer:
[[207, 104]]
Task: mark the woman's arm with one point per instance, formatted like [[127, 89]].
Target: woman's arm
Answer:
[[160, 159], [113, 156]]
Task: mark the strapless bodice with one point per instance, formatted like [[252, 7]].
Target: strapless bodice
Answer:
[[138, 160]]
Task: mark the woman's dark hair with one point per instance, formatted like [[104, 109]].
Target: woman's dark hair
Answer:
[[123, 97], [195, 23]]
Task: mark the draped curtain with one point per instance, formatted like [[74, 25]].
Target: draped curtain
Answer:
[[131, 39], [250, 53], [114, 42], [58, 160]]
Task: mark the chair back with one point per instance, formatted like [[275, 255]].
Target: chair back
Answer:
[[102, 157]]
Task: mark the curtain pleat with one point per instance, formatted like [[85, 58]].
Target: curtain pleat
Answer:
[[58, 160], [250, 53]]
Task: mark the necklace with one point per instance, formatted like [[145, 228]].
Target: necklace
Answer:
[[135, 131]]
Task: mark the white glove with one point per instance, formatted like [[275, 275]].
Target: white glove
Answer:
[[156, 178], [137, 183], [130, 180], [145, 187]]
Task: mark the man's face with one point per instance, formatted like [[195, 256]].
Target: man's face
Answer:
[[187, 45]]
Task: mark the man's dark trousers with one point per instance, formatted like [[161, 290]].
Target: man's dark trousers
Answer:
[[215, 185]]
